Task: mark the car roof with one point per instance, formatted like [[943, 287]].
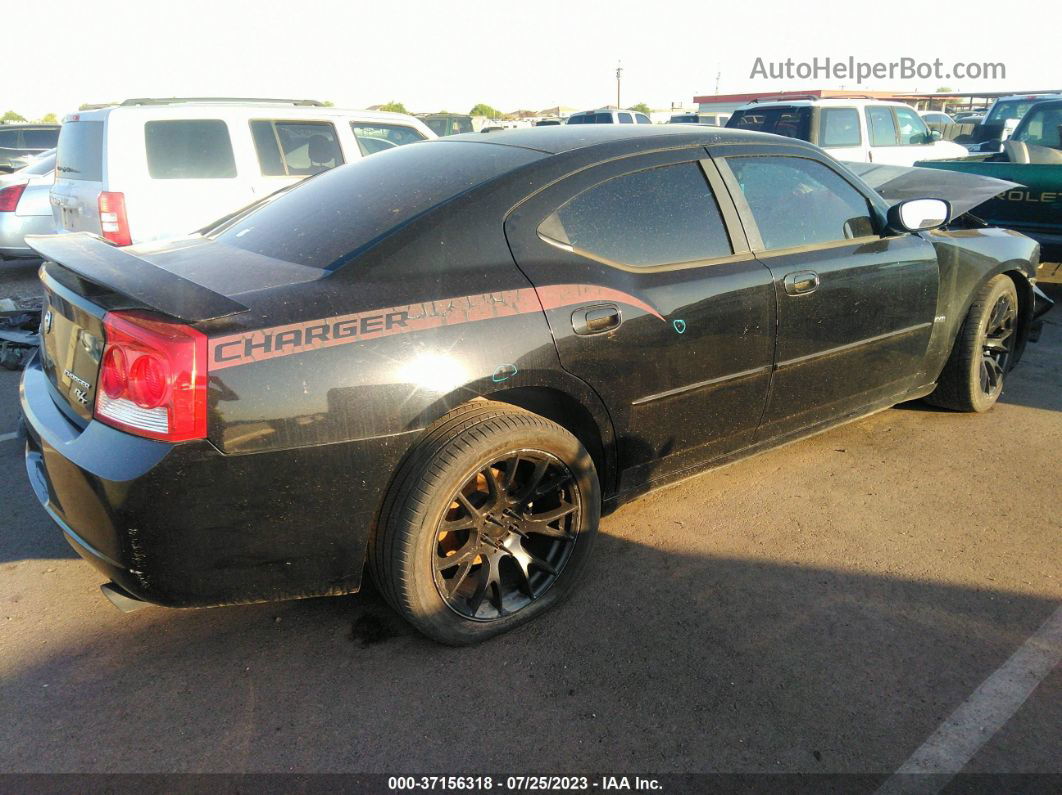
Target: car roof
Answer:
[[279, 110], [571, 137], [29, 126], [827, 101]]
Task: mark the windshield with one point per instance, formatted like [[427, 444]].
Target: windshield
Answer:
[[325, 221], [792, 122], [1041, 127]]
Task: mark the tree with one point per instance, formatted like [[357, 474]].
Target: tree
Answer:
[[12, 116], [49, 118], [328, 103], [394, 107], [641, 107], [483, 109], [944, 90]]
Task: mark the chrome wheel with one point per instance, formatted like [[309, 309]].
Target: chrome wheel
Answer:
[[506, 536], [997, 344]]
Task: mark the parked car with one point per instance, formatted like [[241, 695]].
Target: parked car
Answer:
[[1031, 157], [710, 119], [1002, 119], [452, 387], [608, 116], [151, 169], [858, 130], [19, 143], [936, 117], [24, 207], [547, 123]]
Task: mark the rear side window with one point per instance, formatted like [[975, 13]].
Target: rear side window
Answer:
[[373, 138], [39, 139], [799, 202], [80, 152], [882, 126], [296, 148], [642, 118], [840, 127], [661, 216], [189, 149], [625, 118]]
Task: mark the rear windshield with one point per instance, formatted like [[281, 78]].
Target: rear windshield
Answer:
[[331, 218], [1005, 110], [80, 152], [792, 122], [189, 149]]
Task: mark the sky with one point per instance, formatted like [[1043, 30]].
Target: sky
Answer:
[[512, 55]]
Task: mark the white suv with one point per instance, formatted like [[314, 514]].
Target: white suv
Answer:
[[857, 130], [151, 169], [609, 116]]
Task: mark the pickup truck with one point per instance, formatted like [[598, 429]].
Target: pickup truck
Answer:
[[1032, 157]]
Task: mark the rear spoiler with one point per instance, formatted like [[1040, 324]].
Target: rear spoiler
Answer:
[[113, 268]]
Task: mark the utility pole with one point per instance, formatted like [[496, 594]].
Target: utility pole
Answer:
[[619, 76]]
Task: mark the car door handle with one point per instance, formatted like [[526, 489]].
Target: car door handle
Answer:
[[801, 282], [596, 319]]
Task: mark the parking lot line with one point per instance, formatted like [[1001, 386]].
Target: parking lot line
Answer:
[[7, 437], [983, 714]]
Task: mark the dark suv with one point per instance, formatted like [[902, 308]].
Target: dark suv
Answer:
[[19, 142]]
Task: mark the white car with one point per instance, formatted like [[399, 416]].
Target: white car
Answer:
[[856, 130], [153, 169], [936, 117], [609, 116]]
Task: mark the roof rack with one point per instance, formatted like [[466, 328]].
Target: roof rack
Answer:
[[173, 100], [812, 97]]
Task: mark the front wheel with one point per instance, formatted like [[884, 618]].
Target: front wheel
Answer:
[[489, 523], [972, 379]]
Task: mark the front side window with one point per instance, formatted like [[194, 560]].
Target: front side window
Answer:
[[882, 126], [913, 129], [840, 127], [373, 138], [799, 202], [295, 148], [189, 149], [660, 216], [625, 118]]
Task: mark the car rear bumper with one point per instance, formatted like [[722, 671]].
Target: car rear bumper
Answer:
[[185, 525]]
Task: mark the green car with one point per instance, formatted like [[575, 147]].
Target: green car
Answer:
[[1032, 157]]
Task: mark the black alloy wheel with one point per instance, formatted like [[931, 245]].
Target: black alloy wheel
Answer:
[[507, 535], [997, 344]]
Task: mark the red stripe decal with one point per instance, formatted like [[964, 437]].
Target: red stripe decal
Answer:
[[270, 343]]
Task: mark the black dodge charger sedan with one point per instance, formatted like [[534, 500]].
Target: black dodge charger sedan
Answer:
[[442, 363]]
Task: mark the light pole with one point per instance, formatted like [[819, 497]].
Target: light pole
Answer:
[[619, 75]]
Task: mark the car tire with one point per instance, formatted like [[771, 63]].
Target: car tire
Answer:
[[511, 497], [972, 379]]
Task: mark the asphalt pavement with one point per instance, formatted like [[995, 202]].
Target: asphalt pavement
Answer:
[[824, 607]]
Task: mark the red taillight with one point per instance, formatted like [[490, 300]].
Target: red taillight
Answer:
[[153, 379], [114, 223], [9, 197]]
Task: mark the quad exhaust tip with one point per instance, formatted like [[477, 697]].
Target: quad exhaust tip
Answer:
[[121, 598]]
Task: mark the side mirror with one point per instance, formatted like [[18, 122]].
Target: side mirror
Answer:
[[935, 135], [919, 215]]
